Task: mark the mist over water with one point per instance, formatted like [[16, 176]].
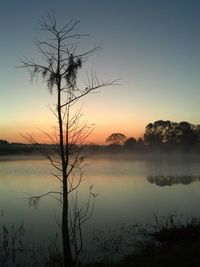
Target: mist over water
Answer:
[[130, 190]]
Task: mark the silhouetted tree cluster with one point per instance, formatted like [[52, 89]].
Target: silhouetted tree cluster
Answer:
[[116, 139], [162, 136], [119, 142], [3, 142], [130, 143], [168, 133]]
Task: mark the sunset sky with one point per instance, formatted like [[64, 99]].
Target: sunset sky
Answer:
[[153, 46]]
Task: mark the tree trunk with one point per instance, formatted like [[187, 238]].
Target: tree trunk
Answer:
[[68, 261], [67, 253], [60, 70]]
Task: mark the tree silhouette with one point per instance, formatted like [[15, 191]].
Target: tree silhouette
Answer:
[[116, 138], [4, 142], [155, 133], [130, 143], [59, 68], [166, 132], [185, 134]]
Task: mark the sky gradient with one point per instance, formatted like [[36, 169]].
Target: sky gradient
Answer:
[[152, 46]]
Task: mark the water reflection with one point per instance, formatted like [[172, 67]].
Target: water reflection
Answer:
[[125, 194], [170, 180]]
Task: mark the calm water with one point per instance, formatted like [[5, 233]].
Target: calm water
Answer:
[[129, 191]]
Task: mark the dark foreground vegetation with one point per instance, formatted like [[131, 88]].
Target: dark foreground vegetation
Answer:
[[173, 245], [170, 244], [167, 243]]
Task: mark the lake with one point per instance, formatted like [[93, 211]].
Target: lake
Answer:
[[129, 190]]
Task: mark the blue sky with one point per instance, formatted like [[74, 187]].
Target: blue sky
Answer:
[[152, 46]]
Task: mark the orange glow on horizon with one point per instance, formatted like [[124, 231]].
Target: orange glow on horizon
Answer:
[[100, 136], [131, 127], [96, 137]]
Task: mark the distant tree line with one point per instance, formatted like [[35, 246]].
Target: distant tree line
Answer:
[[7, 148], [163, 136], [159, 136], [172, 133]]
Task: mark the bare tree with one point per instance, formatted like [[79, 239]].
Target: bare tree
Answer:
[[61, 62]]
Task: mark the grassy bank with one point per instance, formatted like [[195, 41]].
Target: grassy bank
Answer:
[[171, 244], [166, 243]]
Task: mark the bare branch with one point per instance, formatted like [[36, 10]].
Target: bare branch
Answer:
[[42, 151], [90, 89], [34, 200], [60, 68]]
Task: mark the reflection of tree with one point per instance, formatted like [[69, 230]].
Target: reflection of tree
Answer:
[[161, 180]]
